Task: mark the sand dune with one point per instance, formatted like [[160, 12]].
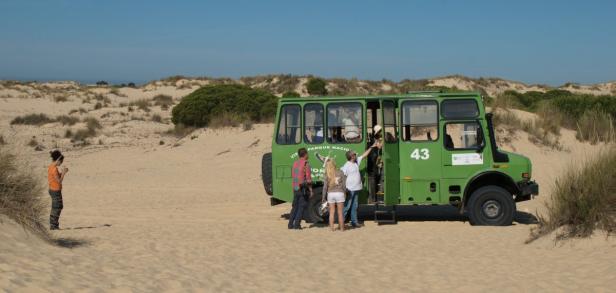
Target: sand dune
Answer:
[[191, 215]]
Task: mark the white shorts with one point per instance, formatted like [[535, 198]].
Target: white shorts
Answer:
[[335, 197]]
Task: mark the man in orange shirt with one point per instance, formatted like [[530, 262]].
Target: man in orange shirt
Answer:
[[55, 178]]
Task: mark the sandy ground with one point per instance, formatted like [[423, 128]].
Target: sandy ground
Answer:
[[191, 215]]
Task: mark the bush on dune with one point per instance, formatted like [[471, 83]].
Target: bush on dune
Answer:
[[593, 117], [20, 195], [32, 119], [583, 200], [201, 106]]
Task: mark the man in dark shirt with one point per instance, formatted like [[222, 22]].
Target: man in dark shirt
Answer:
[[374, 167]]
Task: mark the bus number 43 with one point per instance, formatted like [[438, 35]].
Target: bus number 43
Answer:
[[420, 154]]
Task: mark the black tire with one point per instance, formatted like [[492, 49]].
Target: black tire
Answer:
[[491, 206], [266, 173], [312, 214]]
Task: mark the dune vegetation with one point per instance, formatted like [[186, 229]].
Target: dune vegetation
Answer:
[[223, 105], [583, 200], [592, 117], [20, 195]]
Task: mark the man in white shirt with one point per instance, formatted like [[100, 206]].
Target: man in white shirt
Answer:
[[353, 182]]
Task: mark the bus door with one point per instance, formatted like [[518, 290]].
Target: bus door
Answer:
[[420, 152], [284, 150], [391, 162]]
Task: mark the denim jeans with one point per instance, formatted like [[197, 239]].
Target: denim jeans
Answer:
[[297, 209], [352, 205]]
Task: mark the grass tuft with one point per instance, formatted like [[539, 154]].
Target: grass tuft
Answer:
[[157, 118], [164, 101], [595, 126], [583, 200], [67, 120], [20, 195], [180, 130], [141, 104]]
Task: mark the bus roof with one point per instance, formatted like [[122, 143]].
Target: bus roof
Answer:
[[410, 95]]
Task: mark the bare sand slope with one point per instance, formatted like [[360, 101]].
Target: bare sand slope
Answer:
[[163, 218]]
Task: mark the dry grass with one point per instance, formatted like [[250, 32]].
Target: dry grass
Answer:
[[541, 131], [91, 130], [80, 111], [164, 101], [596, 126], [60, 99], [157, 118], [142, 104], [583, 200], [20, 195], [67, 120], [180, 131]]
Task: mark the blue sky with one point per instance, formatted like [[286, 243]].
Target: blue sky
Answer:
[[550, 42]]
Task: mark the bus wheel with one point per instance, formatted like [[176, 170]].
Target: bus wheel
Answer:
[[491, 206], [313, 214]]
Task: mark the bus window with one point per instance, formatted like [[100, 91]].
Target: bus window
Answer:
[[419, 121], [289, 125], [389, 121], [463, 135], [459, 109], [344, 123], [313, 124]]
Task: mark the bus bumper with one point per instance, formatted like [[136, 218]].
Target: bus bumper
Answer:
[[527, 190]]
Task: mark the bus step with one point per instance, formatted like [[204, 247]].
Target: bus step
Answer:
[[384, 215]]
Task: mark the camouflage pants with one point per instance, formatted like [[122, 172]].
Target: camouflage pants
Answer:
[[56, 208]]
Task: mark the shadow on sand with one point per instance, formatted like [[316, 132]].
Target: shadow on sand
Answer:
[[66, 242], [87, 227], [427, 214]]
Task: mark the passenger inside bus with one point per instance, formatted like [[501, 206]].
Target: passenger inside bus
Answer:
[[344, 123]]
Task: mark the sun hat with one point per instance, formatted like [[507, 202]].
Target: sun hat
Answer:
[[377, 128]]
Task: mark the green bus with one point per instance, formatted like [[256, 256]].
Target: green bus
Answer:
[[438, 149]]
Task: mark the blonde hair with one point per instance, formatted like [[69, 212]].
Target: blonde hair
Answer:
[[330, 171]]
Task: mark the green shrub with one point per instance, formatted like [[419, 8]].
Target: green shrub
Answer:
[[316, 87], [198, 108], [584, 199], [20, 195], [291, 94], [32, 119]]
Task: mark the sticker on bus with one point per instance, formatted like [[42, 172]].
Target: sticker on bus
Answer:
[[466, 159]]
